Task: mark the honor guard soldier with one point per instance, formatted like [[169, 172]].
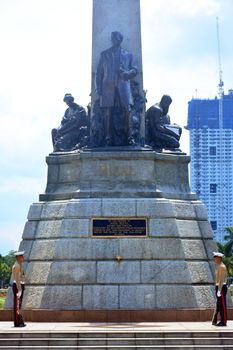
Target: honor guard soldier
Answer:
[[221, 290], [18, 288]]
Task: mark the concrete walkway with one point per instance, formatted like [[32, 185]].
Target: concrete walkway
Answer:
[[117, 327]]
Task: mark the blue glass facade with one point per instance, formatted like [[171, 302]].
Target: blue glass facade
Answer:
[[203, 113]]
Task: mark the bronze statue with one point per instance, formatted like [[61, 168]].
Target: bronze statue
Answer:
[[138, 108], [73, 133], [97, 135], [160, 133], [114, 73]]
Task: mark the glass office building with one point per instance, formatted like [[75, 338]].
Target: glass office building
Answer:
[[210, 122]]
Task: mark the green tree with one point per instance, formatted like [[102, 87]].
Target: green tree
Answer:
[[226, 249], [229, 237], [9, 259], [5, 274], [6, 263]]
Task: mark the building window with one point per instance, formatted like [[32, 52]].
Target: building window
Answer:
[[212, 150], [213, 188], [213, 225]]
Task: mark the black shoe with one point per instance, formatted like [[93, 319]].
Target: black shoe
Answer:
[[214, 323], [220, 324], [22, 325]]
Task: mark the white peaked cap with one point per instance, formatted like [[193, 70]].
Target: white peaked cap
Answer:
[[218, 254], [19, 253]]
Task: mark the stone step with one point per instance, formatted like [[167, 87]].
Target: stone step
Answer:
[[130, 347], [110, 340], [19, 339], [22, 333], [115, 343]]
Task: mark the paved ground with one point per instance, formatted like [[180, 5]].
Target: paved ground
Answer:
[[117, 327]]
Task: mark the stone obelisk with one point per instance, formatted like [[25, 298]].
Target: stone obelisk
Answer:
[[123, 16], [116, 15]]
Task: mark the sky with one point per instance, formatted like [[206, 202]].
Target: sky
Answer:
[[46, 52]]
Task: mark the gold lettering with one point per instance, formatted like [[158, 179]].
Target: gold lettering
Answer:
[[131, 173], [110, 170], [116, 170], [103, 169], [124, 170], [127, 170]]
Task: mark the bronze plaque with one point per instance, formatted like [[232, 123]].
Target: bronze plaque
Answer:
[[117, 227]]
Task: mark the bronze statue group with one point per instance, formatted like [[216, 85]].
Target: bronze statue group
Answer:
[[115, 117]]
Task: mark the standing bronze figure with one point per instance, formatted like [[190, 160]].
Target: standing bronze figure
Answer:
[[114, 73]]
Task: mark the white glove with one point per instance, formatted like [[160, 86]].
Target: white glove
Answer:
[[19, 294], [218, 293]]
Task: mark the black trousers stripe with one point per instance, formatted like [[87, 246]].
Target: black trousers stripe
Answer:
[[18, 318], [221, 306]]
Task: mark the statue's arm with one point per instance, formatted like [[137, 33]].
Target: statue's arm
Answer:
[[82, 116], [154, 120], [128, 71], [153, 117], [64, 118], [99, 76], [133, 68]]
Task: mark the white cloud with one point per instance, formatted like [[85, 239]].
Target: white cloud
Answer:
[[10, 236], [184, 8], [44, 56], [192, 8], [21, 185]]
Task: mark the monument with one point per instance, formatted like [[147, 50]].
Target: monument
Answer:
[[117, 227]]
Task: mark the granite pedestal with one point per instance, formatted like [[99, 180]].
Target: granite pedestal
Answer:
[[68, 269]]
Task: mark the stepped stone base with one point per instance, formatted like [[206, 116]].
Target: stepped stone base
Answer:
[[168, 315], [68, 269]]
